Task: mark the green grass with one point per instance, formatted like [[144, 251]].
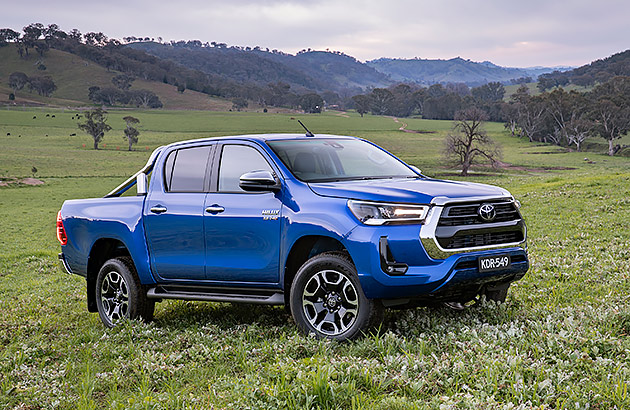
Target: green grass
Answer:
[[559, 342]]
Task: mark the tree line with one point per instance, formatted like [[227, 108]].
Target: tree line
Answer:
[[569, 118], [560, 117]]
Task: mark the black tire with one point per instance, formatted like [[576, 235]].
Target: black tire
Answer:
[[327, 299], [497, 293], [119, 293]]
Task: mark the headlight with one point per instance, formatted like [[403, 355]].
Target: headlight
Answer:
[[376, 213]]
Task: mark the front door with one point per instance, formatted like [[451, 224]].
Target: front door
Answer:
[[242, 229]]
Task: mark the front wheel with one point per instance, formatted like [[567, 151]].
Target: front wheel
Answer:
[[327, 300], [119, 294]]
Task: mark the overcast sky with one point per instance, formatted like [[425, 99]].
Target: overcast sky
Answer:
[[506, 32]]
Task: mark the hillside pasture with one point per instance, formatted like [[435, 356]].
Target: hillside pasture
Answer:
[[74, 75]]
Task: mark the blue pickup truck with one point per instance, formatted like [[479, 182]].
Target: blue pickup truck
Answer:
[[334, 228]]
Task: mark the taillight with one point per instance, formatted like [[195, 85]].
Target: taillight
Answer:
[[61, 232]]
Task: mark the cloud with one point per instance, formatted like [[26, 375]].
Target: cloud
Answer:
[[538, 32]]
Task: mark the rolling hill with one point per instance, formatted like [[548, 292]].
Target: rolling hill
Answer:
[[307, 71], [74, 75], [599, 71]]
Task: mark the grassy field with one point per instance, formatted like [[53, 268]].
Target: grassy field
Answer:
[[559, 342]]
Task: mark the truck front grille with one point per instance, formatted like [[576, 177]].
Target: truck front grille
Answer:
[[461, 226], [467, 214]]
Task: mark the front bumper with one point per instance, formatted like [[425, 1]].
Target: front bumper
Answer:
[[415, 266]]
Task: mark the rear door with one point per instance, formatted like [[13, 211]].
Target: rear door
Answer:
[[242, 229], [173, 215]]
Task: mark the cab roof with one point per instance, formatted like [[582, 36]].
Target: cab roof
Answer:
[[262, 138]]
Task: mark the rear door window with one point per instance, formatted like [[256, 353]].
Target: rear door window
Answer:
[[185, 169]]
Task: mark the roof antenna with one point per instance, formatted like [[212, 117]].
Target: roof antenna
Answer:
[[308, 133]]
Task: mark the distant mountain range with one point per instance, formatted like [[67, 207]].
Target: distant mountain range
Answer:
[[455, 70], [333, 71]]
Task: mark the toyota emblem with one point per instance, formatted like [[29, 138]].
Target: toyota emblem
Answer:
[[487, 212]]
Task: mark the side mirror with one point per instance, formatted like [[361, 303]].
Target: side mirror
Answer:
[[415, 168], [141, 184], [257, 181]]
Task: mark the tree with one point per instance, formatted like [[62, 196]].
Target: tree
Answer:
[[381, 101], [470, 143], [489, 92], [122, 81], [403, 104], [131, 133], [32, 33], [362, 103], [568, 112], [95, 125], [611, 110], [43, 85], [311, 103], [611, 122], [17, 81], [530, 113], [7, 35], [145, 98], [95, 39], [75, 35], [108, 96], [53, 33]]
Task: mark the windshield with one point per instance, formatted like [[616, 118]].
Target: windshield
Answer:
[[327, 160]]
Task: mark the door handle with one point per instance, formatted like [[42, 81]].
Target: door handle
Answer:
[[215, 209], [159, 209]]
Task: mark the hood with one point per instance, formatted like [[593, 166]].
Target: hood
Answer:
[[420, 191]]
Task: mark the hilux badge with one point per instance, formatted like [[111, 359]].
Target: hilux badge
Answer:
[[487, 212], [270, 214]]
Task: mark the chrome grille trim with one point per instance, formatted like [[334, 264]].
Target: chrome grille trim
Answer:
[[428, 231]]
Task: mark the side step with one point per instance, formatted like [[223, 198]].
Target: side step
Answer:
[[215, 294]]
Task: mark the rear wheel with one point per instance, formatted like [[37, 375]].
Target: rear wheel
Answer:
[[327, 300], [119, 294]]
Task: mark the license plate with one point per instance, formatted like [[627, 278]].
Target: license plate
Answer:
[[496, 262]]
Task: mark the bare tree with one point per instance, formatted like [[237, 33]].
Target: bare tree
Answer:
[[470, 144]]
